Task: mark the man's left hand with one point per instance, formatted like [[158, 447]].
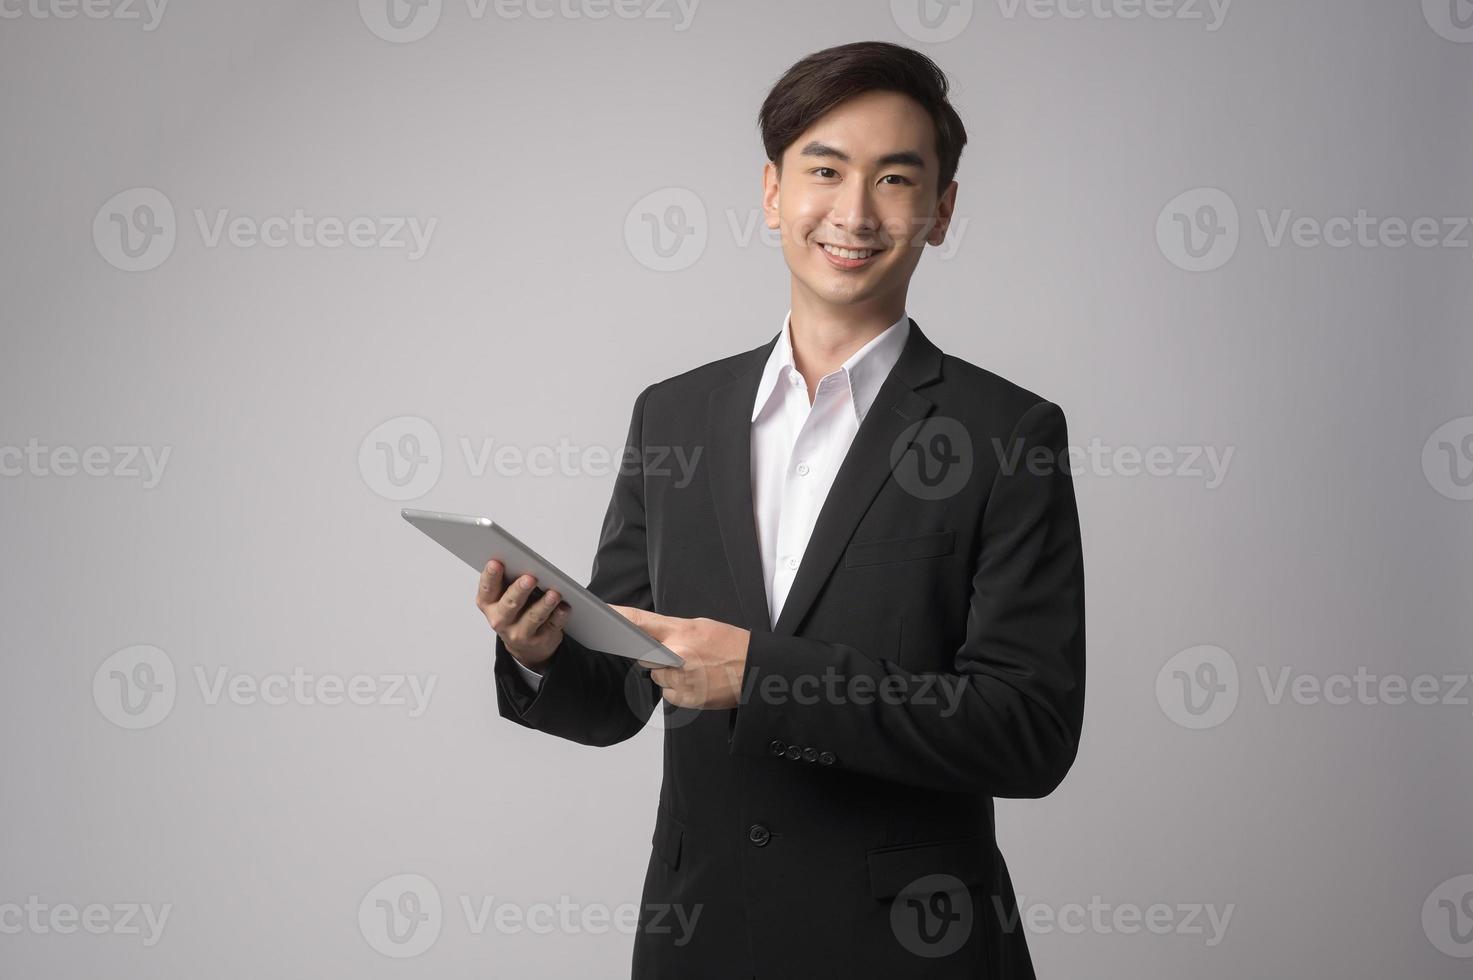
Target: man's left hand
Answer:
[[715, 655]]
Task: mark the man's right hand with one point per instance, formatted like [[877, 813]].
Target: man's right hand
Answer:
[[530, 630]]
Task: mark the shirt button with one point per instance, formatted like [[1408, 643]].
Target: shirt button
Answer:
[[802, 469], [791, 562], [759, 835]]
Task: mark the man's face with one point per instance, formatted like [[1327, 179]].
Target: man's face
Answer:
[[862, 178]]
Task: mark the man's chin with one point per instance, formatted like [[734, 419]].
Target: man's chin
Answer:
[[840, 301]]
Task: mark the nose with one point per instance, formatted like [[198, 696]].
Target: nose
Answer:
[[853, 211]]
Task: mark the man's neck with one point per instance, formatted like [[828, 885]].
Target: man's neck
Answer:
[[825, 336]]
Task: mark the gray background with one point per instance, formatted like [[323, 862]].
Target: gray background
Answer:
[[271, 544]]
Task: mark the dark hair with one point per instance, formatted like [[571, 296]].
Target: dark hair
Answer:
[[825, 78]]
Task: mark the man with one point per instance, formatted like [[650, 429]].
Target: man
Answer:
[[874, 578]]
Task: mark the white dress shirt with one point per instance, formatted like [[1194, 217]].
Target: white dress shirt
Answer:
[[797, 447]]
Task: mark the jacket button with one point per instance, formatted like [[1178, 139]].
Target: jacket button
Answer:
[[810, 754], [776, 746], [794, 752], [759, 835], [826, 758]]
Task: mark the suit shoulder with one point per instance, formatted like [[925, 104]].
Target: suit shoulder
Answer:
[[699, 380], [986, 391]]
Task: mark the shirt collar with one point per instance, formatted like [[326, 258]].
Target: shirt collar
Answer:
[[865, 370]]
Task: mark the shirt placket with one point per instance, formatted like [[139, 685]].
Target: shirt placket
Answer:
[[804, 472]]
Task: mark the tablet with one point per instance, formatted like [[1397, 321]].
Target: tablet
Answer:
[[592, 622]]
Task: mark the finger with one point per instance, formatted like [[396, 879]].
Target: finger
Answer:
[[559, 616], [540, 611], [513, 604], [490, 586], [674, 679], [652, 623], [679, 698], [516, 594]]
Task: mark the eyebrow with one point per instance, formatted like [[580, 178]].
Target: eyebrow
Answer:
[[904, 158]]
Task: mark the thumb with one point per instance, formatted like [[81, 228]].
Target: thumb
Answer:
[[651, 622]]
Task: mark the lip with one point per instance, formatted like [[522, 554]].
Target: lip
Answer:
[[846, 264]]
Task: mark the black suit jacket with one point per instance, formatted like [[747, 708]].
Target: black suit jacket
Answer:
[[928, 658]]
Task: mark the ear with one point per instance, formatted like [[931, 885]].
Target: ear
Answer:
[[769, 193], [944, 209]]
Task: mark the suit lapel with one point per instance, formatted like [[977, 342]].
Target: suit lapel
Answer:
[[729, 450], [866, 466]]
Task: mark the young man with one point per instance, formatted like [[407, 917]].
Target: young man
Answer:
[[874, 578]]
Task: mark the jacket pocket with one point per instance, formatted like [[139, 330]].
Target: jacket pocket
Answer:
[[668, 836], [932, 545], [895, 870]]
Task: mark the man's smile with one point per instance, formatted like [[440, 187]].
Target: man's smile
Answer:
[[844, 257]]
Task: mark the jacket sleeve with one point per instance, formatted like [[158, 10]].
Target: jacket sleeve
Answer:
[[1006, 720], [587, 696]]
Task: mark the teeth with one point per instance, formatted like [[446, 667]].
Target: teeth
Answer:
[[850, 253]]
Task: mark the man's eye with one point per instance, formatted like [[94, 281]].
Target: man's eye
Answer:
[[903, 180], [826, 172]]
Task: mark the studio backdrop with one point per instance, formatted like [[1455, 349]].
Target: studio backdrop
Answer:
[[273, 271]]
